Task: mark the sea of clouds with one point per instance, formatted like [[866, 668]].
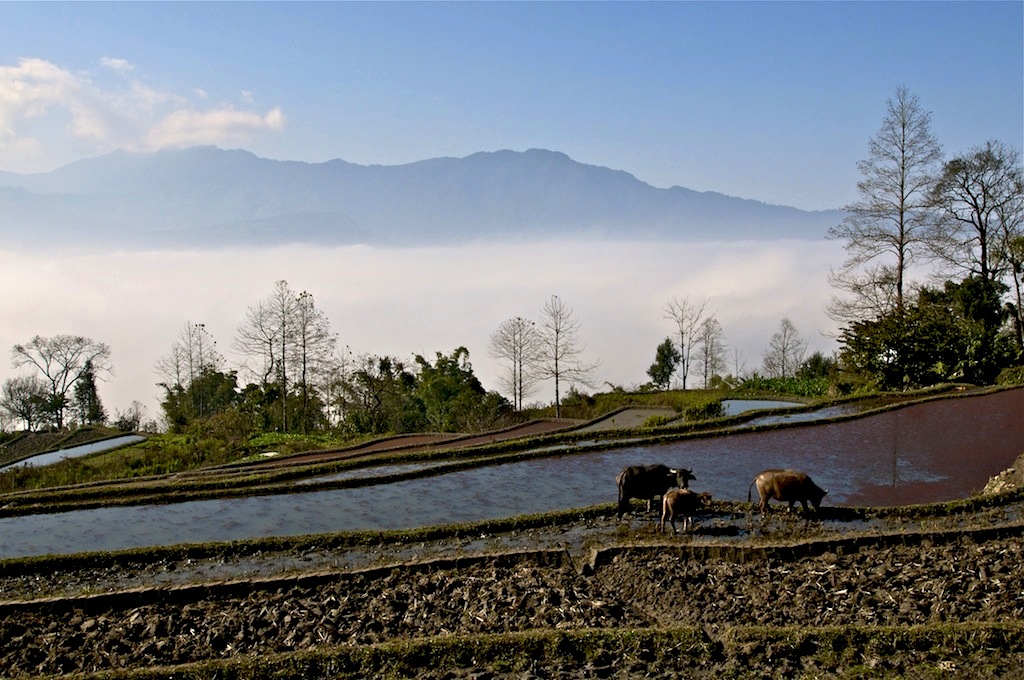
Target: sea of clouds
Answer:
[[402, 302]]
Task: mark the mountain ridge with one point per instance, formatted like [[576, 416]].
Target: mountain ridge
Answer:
[[210, 197]]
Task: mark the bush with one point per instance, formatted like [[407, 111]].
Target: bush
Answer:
[[804, 387], [658, 421], [230, 427], [1011, 376], [705, 411]]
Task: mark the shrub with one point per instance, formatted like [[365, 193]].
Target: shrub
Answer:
[[804, 387], [230, 427], [658, 421], [705, 411], [1011, 376]]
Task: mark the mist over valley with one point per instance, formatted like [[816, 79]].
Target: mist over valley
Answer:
[[406, 301]]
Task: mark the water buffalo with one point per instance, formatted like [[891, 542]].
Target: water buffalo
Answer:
[[647, 481], [682, 503], [786, 485]]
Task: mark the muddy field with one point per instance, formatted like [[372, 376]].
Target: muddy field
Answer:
[[733, 573]]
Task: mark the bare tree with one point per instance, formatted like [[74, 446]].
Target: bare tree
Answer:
[[288, 342], [257, 339], [688, 318], [978, 198], [23, 398], [873, 293], [192, 356], [785, 351], [739, 365], [889, 219], [561, 348], [61, 360], [311, 351], [711, 349], [518, 342], [337, 376], [266, 334], [193, 353]]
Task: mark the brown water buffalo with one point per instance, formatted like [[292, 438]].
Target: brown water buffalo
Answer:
[[647, 481], [682, 503], [786, 485]]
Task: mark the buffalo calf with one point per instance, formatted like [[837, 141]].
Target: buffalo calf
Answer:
[[682, 503]]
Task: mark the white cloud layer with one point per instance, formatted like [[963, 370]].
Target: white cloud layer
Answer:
[[403, 302], [77, 115]]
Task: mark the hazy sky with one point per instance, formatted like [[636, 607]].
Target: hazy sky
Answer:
[[767, 100]]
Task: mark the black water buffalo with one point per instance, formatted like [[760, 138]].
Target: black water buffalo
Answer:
[[682, 503], [786, 485], [647, 481]]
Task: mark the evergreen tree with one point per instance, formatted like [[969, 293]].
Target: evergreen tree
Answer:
[[86, 405], [666, 359]]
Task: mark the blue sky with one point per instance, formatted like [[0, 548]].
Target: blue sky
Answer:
[[768, 100]]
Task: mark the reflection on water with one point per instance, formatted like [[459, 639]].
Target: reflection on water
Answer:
[[76, 451], [934, 451], [803, 416], [732, 407], [375, 471]]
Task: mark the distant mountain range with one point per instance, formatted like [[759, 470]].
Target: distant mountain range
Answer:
[[205, 197]]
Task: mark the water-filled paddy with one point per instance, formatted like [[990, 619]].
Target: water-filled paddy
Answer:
[[77, 451], [732, 407], [934, 451]]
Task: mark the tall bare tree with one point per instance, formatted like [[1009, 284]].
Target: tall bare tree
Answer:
[[561, 348], [257, 339], [266, 335], [889, 219], [311, 353], [61, 361], [711, 349], [785, 351], [518, 342], [289, 344], [193, 355], [688, 317], [337, 377]]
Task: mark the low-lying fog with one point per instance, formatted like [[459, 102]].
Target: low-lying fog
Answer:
[[402, 302]]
